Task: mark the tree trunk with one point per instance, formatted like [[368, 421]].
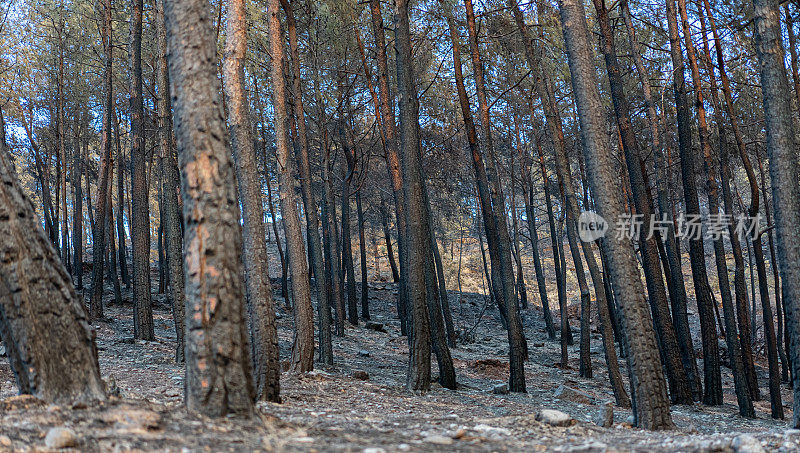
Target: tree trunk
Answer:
[[705, 305], [651, 404], [98, 229], [348, 271], [362, 248], [218, 374], [121, 164], [680, 390], [77, 213], [264, 351], [309, 199], [387, 235], [425, 309], [140, 214], [740, 379], [303, 347], [173, 236], [43, 325]]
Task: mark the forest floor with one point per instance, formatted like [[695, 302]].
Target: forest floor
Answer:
[[360, 403]]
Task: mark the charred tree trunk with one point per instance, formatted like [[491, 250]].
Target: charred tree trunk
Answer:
[[309, 199], [98, 229], [140, 214], [712, 394], [651, 403], [303, 347], [218, 373], [680, 391], [264, 350], [781, 148], [43, 325]]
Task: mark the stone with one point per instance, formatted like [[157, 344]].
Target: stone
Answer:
[[361, 375], [374, 450], [493, 432], [132, 420], [5, 441], [553, 417], [605, 418], [590, 447], [500, 389], [60, 437], [376, 326], [792, 432], [631, 420], [438, 440], [363, 353], [566, 393], [745, 443]]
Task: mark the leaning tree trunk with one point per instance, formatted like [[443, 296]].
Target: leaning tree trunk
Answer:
[[43, 325], [258, 289], [218, 374], [680, 390], [140, 213], [651, 404]]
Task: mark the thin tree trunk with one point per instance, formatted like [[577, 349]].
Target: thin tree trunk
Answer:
[[387, 235], [98, 229], [739, 282], [303, 347], [362, 247], [741, 385], [140, 214], [264, 350], [712, 394], [121, 164], [309, 199]]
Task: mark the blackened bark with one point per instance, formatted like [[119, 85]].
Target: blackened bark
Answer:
[[171, 182], [712, 394], [43, 325], [264, 350], [651, 404], [739, 279], [98, 229], [680, 390], [218, 374], [140, 213], [303, 347], [362, 248], [309, 199]]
